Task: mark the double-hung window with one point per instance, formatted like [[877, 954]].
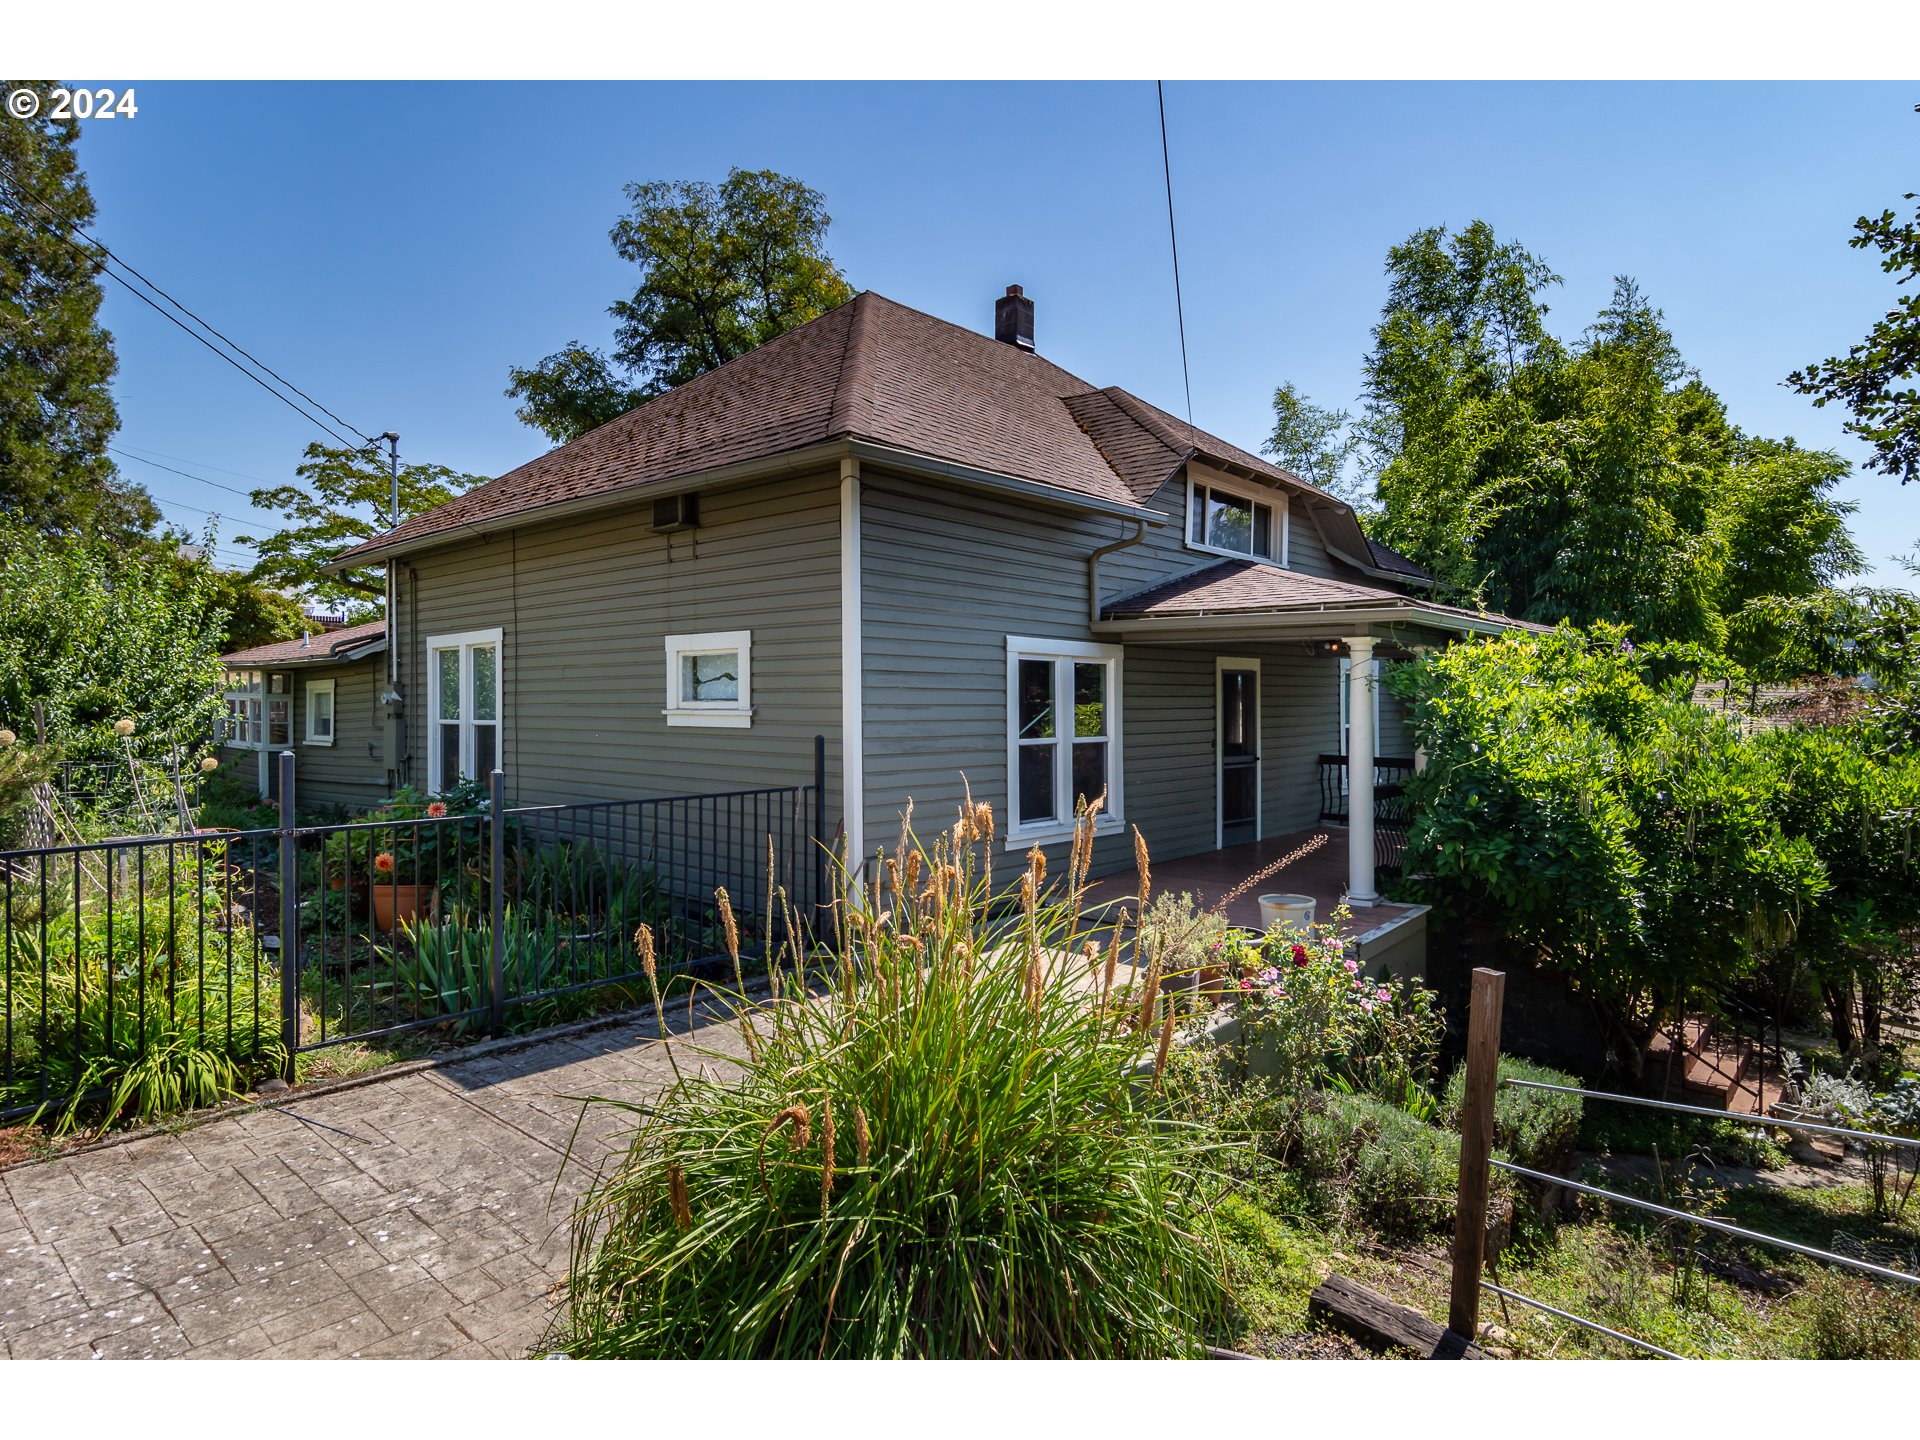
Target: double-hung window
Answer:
[[1246, 523], [710, 679], [319, 712], [1063, 734], [244, 728], [463, 707], [279, 711]]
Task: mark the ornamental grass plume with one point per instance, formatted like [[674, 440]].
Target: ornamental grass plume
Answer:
[[1021, 1189], [1300, 852]]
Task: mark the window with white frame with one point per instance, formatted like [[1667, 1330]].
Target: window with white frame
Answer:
[[1063, 734], [243, 729], [710, 679], [463, 707], [1230, 520], [279, 711], [319, 712]]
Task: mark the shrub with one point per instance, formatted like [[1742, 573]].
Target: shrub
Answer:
[[1309, 1017], [947, 1158], [1534, 1128], [1849, 1317], [157, 1004]]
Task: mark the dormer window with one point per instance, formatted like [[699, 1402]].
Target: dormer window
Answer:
[[1246, 523]]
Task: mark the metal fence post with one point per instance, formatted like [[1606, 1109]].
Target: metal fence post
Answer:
[[289, 919], [819, 825], [497, 892], [1476, 1149]]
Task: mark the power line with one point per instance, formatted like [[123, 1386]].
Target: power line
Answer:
[[140, 452], [27, 195], [228, 341], [230, 489], [1179, 309]]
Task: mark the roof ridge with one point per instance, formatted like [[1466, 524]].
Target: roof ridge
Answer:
[[852, 391], [1150, 420], [978, 337]]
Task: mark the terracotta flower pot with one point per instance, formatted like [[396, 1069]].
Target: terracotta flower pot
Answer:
[[394, 903]]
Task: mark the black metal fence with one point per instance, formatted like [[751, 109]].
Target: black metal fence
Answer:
[[150, 971]]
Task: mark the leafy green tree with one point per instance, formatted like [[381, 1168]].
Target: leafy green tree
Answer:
[[255, 615], [1879, 378], [723, 268], [1597, 480], [345, 497], [95, 631], [1318, 445], [1598, 818], [56, 362]]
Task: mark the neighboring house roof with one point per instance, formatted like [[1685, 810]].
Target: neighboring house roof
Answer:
[[876, 371], [1241, 587], [1815, 701], [331, 647]]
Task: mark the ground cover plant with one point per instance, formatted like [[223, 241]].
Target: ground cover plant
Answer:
[[137, 1008], [943, 1153]]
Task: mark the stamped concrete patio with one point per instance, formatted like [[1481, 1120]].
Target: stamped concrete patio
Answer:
[[417, 1216]]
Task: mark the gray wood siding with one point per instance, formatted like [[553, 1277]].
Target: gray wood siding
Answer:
[[947, 576], [352, 772], [1165, 553], [585, 606]]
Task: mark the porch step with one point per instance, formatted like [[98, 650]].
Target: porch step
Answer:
[[1708, 1072]]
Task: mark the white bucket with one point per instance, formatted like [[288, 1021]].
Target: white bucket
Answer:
[[1293, 911]]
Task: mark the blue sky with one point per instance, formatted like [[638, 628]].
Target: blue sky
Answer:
[[393, 248]]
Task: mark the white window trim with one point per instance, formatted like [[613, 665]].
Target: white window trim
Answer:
[[1346, 694], [314, 689], [1278, 501], [714, 714], [1222, 664], [248, 691], [1113, 815], [464, 643]]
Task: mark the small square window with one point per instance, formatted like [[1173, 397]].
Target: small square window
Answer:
[[709, 679]]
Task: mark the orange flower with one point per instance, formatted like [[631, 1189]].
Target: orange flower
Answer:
[[383, 862], [436, 810]]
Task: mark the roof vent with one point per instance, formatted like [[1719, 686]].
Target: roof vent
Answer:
[[676, 512], [1013, 319]]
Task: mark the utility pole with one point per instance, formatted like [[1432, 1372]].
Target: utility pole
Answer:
[[393, 523]]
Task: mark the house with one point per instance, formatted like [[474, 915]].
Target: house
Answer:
[[962, 565], [320, 697]]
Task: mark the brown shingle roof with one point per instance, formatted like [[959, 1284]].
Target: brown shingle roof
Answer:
[[320, 649], [871, 370], [1243, 587]]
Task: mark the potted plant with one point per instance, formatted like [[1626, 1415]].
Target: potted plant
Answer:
[[396, 890]]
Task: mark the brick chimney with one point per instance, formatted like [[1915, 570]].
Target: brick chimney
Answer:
[[1013, 319]]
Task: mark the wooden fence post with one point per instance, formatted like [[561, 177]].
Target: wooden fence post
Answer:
[[1476, 1147]]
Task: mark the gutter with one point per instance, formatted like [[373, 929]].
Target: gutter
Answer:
[[822, 457], [1309, 619], [1093, 568]]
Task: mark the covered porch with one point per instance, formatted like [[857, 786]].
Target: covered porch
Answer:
[[1387, 936]]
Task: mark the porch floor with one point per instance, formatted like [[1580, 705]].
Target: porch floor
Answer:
[[1208, 876]]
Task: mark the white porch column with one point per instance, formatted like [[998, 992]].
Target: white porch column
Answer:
[[1360, 751]]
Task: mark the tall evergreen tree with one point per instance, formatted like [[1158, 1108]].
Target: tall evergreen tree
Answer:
[[56, 362]]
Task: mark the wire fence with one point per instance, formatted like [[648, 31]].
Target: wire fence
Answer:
[[1477, 1162]]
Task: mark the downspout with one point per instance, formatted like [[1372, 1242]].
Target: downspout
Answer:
[[1093, 568], [853, 787]]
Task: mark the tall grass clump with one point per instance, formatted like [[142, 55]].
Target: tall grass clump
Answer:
[[944, 1141]]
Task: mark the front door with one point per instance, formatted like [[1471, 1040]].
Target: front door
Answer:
[[1239, 708]]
